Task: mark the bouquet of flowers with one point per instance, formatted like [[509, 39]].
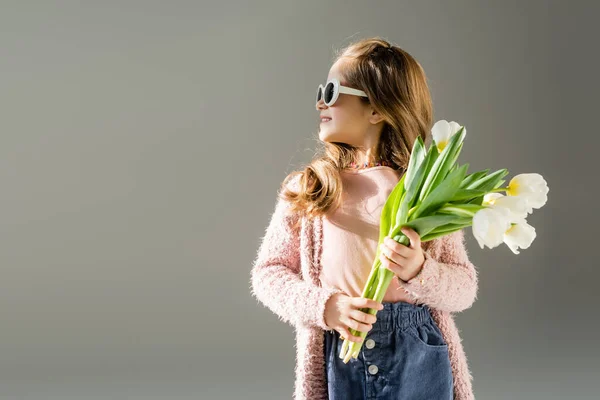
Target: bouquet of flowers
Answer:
[[436, 197]]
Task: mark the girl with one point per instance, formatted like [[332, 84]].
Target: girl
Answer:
[[318, 249]]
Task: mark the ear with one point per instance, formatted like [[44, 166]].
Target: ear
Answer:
[[375, 117]]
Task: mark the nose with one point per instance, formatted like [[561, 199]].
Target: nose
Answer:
[[321, 105]]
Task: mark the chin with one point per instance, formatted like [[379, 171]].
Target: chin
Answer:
[[323, 138], [326, 136]]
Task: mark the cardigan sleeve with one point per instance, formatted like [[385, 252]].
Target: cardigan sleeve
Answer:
[[448, 280], [276, 279]]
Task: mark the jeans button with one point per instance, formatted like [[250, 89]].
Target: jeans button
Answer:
[[373, 369], [370, 343]]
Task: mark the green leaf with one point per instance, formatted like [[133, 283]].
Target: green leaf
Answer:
[[456, 165], [477, 200], [473, 177], [442, 193], [390, 208], [443, 163], [402, 212], [416, 159], [414, 187], [464, 195], [435, 235], [452, 161], [397, 201], [466, 209], [424, 225], [452, 227], [488, 182]]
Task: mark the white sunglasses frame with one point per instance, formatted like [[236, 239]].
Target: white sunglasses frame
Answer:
[[337, 89]]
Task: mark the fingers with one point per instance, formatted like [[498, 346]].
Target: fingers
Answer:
[[358, 320], [395, 268], [395, 250], [354, 324], [413, 236], [345, 334], [362, 302], [391, 255], [363, 317]]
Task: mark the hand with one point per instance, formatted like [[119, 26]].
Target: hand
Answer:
[[404, 261], [343, 312]]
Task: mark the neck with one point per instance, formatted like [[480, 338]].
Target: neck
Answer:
[[367, 158], [369, 164], [368, 155]]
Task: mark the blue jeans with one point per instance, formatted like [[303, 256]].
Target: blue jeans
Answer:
[[403, 357]]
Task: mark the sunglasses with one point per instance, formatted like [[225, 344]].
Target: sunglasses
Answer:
[[332, 89]]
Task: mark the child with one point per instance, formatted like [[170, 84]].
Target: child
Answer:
[[318, 249]]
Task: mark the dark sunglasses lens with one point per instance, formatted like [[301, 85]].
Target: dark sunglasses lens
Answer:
[[319, 93], [328, 95]]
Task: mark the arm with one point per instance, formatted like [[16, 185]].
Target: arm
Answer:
[[276, 276], [448, 280]]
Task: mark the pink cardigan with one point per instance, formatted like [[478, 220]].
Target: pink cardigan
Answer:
[[285, 278]]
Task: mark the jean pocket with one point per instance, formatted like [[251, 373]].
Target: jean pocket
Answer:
[[429, 335]]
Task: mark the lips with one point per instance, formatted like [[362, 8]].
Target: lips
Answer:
[[325, 119]]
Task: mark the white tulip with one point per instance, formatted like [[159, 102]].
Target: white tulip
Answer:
[[442, 131], [515, 207], [490, 198], [532, 187], [489, 226], [520, 235]]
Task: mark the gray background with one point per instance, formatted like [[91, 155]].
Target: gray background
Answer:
[[142, 144]]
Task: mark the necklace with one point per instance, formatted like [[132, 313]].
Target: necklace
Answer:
[[355, 165]]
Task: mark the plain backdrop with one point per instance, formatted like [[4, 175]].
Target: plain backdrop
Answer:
[[142, 144]]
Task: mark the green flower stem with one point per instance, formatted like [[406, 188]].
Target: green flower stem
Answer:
[[367, 293], [384, 278]]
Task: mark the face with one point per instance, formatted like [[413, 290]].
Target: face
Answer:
[[349, 120]]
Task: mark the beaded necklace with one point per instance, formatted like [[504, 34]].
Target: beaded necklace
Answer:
[[355, 165]]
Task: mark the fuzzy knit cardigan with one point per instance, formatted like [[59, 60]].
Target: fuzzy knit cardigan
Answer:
[[285, 278]]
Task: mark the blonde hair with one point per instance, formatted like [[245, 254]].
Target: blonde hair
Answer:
[[396, 86]]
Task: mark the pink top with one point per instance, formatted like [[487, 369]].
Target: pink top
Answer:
[[351, 232]]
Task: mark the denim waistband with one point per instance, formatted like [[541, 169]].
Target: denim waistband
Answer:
[[401, 315]]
